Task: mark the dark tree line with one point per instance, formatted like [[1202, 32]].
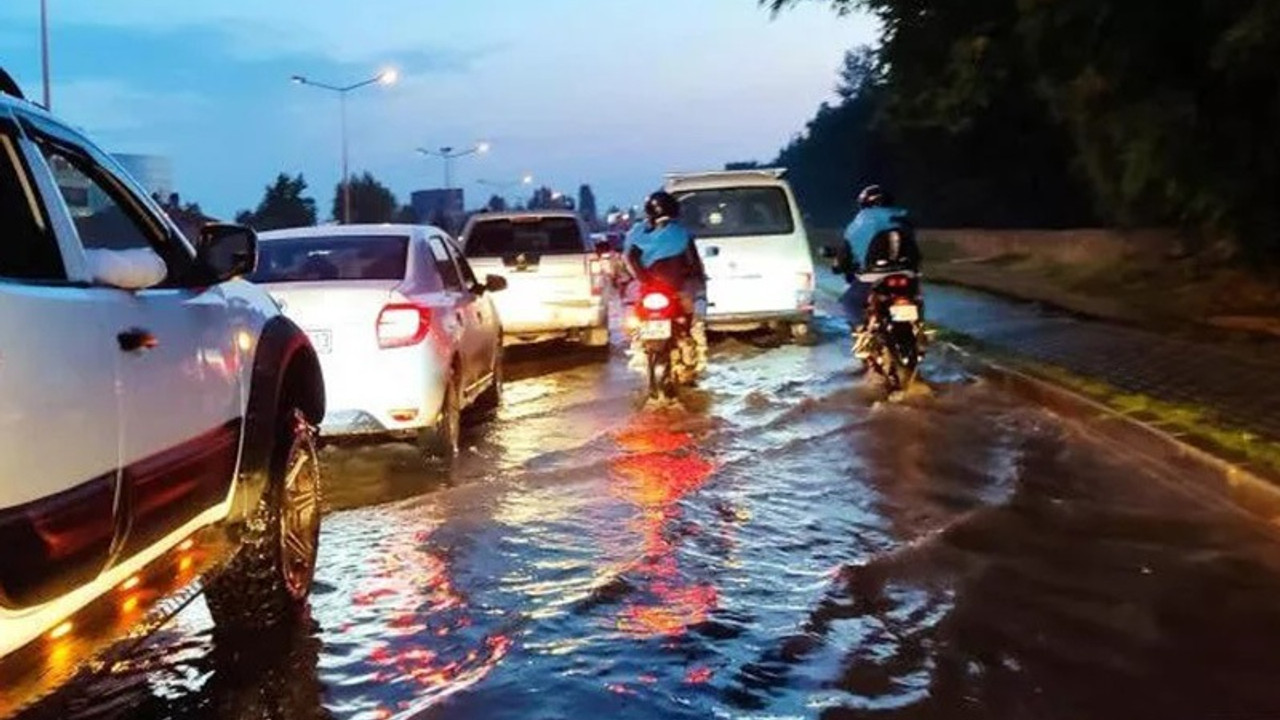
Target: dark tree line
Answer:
[[1049, 113]]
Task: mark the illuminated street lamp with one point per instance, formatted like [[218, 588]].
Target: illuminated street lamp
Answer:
[[388, 76], [505, 187], [448, 154]]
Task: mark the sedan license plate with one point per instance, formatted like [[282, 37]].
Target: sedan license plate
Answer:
[[655, 330], [904, 313], [321, 340]]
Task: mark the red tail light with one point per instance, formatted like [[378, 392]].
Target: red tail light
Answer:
[[897, 281], [655, 302], [403, 325], [595, 271]]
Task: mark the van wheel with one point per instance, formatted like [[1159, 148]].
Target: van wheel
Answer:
[[266, 584], [439, 443]]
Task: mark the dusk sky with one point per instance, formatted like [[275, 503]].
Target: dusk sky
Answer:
[[611, 93]]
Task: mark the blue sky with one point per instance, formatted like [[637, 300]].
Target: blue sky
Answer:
[[611, 93]]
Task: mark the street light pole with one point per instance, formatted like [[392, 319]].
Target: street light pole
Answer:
[[448, 156], [386, 77], [44, 50]]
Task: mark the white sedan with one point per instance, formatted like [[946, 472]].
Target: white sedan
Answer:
[[407, 337]]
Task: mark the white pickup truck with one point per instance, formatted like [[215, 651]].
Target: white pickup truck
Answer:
[[157, 425], [555, 278]]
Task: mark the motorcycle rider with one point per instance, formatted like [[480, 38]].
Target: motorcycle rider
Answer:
[[661, 250], [864, 245]]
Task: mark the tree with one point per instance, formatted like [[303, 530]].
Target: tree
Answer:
[[1160, 111], [587, 205], [497, 203], [544, 198], [283, 205], [406, 215], [371, 201]]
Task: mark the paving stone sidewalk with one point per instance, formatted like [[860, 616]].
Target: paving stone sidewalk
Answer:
[[1242, 387]]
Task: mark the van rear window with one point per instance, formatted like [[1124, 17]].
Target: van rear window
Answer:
[[343, 257], [736, 212], [535, 236]]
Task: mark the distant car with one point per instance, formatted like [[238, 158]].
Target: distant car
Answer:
[[556, 277], [158, 422], [407, 337], [748, 228]]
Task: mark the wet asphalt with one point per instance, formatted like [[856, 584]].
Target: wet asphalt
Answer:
[[782, 544]]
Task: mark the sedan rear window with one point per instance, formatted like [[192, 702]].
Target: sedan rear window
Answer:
[[535, 236], [736, 212], [345, 257]]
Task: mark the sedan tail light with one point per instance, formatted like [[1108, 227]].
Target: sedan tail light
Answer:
[[403, 325]]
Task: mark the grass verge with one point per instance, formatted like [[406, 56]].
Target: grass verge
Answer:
[[1202, 426]]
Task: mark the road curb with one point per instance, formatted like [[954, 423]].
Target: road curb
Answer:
[[1246, 488]]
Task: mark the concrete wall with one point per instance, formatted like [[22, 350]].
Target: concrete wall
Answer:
[[1060, 246]]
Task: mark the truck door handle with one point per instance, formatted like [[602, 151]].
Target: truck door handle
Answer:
[[135, 339]]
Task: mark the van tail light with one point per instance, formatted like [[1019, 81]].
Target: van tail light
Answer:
[[403, 325], [804, 291]]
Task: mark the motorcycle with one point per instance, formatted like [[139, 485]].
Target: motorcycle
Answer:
[[663, 331], [895, 334], [893, 343]]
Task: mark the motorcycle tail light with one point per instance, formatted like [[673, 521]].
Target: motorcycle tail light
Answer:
[[655, 302]]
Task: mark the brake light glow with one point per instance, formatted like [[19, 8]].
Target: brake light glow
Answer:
[[595, 271], [897, 281], [402, 325], [655, 302]]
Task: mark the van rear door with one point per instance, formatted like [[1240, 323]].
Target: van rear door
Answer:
[[761, 263]]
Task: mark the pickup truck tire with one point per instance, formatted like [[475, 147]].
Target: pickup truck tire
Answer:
[[597, 338], [266, 584], [438, 444]]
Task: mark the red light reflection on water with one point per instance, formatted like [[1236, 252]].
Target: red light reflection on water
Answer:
[[424, 619], [663, 467]]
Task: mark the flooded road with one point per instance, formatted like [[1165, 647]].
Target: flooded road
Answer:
[[784, 546]]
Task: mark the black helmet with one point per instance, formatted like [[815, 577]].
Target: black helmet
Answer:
[[874, 196], [660, 205]]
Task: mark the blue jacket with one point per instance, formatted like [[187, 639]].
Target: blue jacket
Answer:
[[662, 243], [869, 223]]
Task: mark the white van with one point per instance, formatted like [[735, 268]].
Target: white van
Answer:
[[749, 231]]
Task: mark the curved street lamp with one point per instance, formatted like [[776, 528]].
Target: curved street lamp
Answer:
[[449, 154], [388, 76]]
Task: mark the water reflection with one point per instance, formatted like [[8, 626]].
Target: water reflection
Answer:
[[657, 469]]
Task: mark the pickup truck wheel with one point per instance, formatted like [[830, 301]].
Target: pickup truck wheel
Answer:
[[596, 338], [439, 443], [267, 582]]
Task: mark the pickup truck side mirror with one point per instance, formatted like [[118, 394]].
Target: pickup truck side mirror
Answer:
[[226, 251]]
